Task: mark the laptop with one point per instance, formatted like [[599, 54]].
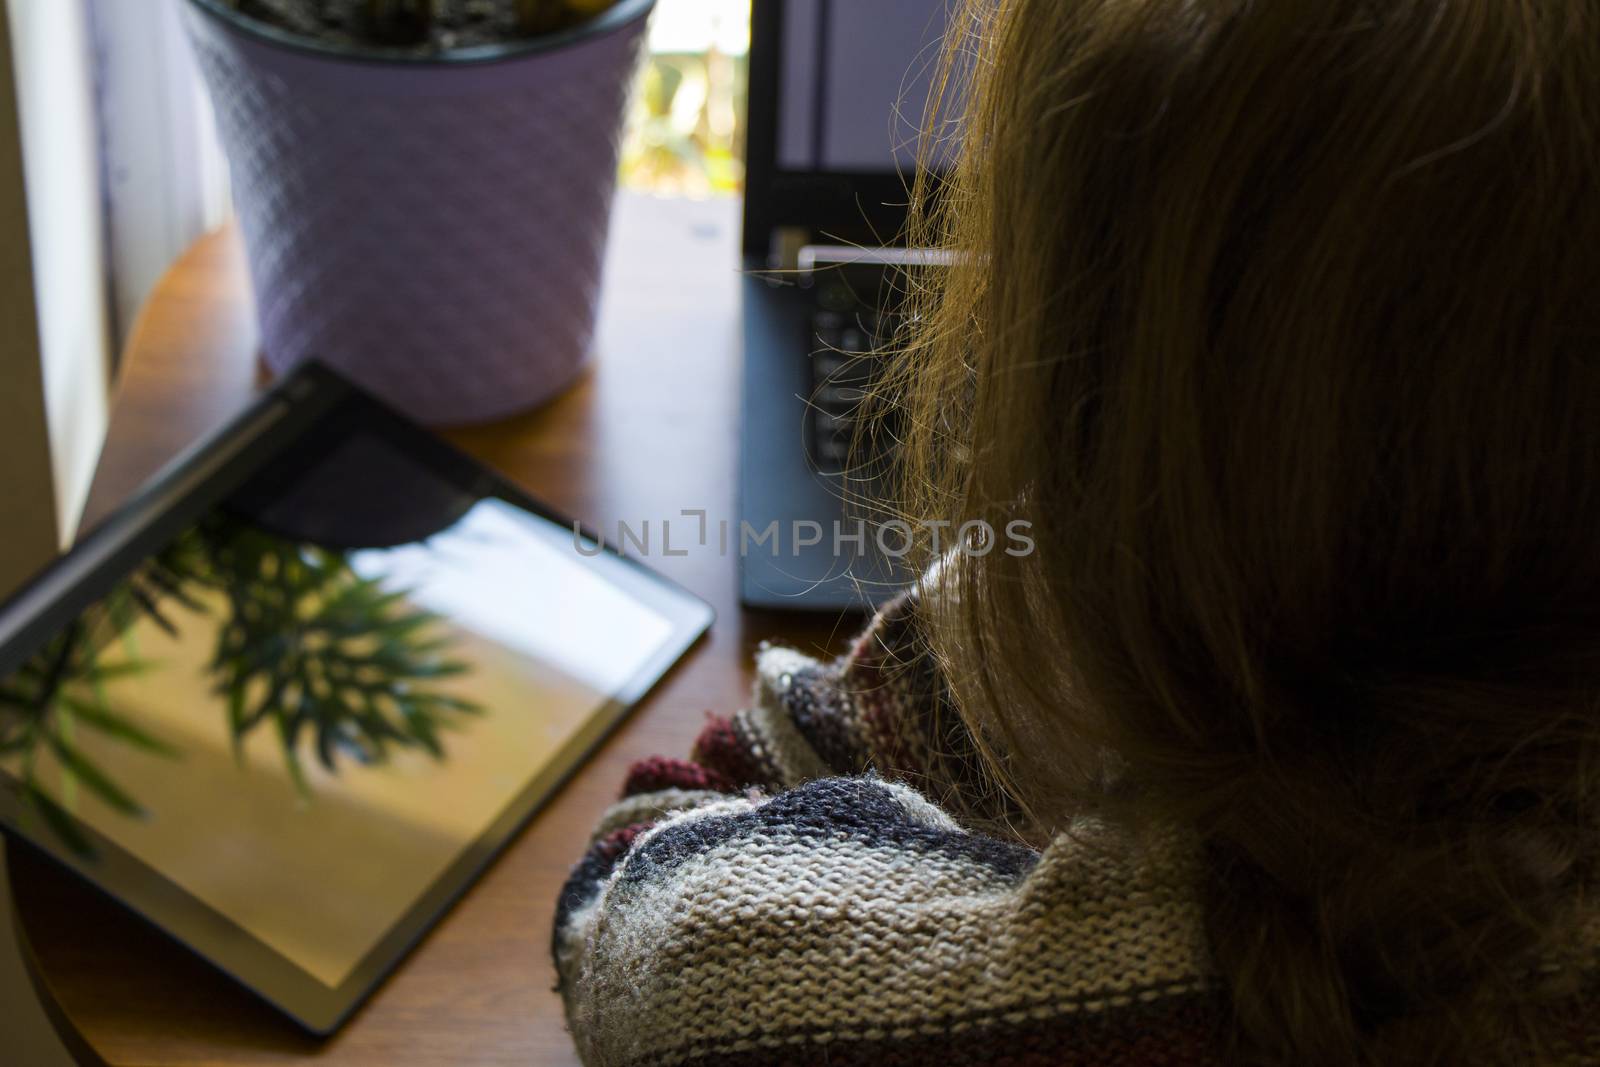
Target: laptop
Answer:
[[838, 89]]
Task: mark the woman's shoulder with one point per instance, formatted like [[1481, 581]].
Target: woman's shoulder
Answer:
[[854, 913]]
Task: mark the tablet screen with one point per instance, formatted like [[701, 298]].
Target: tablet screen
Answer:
[[307, 705]]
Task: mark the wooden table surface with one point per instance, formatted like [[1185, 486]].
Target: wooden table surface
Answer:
[[651, 430]]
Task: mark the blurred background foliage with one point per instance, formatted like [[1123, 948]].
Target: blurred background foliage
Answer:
[[685, 130]]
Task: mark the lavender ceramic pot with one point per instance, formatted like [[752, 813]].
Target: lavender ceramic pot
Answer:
[[431, 227]]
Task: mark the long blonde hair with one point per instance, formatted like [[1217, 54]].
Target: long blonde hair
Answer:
[[1279, 324]]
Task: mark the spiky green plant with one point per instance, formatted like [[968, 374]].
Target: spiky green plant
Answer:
[[42, 707], [307, 645], [317, 649]]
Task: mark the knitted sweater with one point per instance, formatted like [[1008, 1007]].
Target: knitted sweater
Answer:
[[791, 897]]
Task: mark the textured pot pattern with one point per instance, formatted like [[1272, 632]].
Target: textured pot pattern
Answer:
[[434, 231]]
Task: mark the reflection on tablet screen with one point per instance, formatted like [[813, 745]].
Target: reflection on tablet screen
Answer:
[[304, 734]]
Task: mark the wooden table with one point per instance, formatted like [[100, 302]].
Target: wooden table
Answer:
[[651, 430]]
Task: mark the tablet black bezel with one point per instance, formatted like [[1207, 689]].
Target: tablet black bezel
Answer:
[[176, 497]]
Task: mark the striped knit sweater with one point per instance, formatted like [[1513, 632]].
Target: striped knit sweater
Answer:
[[791, 897]]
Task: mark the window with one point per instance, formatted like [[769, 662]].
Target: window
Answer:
[[686, 127]]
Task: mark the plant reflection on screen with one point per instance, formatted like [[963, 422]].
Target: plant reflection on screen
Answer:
[[306, 645]]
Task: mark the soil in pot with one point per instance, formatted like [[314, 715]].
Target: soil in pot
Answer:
[[428, 27]]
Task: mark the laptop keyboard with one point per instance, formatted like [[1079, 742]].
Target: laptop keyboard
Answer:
[[840, 378]]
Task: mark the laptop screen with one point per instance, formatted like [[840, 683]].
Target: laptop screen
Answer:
[[839, 92], [854, 82]]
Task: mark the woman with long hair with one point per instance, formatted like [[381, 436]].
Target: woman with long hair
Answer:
[[1279, 325]]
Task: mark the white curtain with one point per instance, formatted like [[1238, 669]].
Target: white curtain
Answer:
[[57, 142], [165, 178]]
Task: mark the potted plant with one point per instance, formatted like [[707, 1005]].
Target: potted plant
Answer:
[[424, 186]]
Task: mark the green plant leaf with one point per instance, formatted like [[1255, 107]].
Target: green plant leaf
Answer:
[[450, 703], [236, 714], [105, 672], [93, 778], [447, 669], [61, 824], [113, 725]]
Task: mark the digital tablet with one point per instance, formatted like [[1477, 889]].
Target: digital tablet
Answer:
[[288, 702]]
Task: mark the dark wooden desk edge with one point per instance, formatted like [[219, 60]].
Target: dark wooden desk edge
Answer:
[[21, 858]]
